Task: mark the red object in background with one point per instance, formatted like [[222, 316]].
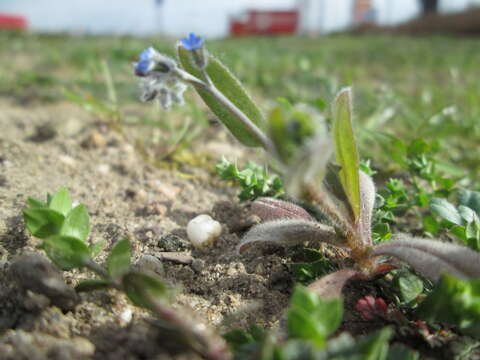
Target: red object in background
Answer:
[[12, 22], [254, 22]]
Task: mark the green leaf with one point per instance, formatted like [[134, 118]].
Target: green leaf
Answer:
[[470, 199], [141, 287], [43, 222], [409, 285], [118, 261], [310, 317], [454, 301], [400, 352], [66, 252], [61, 201], [97, 247], [36, 203], [92, 285], [346, 149], [77, 223], [446, 210], [229, 86]]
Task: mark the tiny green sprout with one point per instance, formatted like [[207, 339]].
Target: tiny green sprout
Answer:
[[64, 230]]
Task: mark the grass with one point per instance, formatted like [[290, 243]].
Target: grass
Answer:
[[405, 88]]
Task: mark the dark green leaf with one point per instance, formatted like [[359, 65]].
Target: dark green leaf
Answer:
[[66, 252], [346, 152], [61, 201], [97, 247], [140, 288], [409, 285], [400, 352], [92, 285], [227, 84], [77, 223], [446, 210], [43, 222], [118, 261], [310, 317], [470, 199], [455, 302]]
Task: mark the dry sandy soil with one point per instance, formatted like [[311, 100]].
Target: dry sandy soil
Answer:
[[43, 148]]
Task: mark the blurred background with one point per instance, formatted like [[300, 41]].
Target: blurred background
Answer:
[[414, 65], [217, 18]]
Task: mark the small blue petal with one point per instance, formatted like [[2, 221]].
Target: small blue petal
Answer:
[[142, 67], [147, 54], [192, 42]]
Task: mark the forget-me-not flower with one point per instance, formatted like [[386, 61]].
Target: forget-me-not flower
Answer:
[[158, 79], [192, 42]]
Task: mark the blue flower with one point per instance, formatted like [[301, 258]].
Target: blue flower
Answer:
[[146, 63], [192, 42]]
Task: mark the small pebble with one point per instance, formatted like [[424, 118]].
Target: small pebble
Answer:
[[203, 230], [150, 263]]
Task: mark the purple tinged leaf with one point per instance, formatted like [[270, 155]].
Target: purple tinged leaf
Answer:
[[331, 285], [367, 201], [290, 232], [432, 258], [269, 209]]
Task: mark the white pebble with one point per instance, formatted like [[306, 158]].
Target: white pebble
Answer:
[[203, 230]]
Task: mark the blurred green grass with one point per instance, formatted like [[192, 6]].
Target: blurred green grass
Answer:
[[405, 88]]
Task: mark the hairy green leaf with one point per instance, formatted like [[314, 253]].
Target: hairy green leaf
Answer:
[[310, 317], [43, 222], [77, 223], [118, 261], [141, 287], [66, 252], [346, 149], [227, 84], [61, 201]]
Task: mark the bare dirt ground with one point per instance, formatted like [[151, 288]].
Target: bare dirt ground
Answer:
[[43, 148]]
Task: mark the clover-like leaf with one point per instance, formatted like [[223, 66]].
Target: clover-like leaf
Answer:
[[229, 86], [141, 288], [77, 223], [66, 252], [290, 232], [119, 259], [311, 317], [43, 222], [432, 258], [61, 201], [470, 199], [346, 152]]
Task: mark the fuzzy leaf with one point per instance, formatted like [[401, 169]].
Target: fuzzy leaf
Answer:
[[229, 85], [331, 285], [61, 202], [432, 258], [446, 210], [456, 302], [77, 223], [289, 232], [43, 222], [310, 317], [66, 252], [269, 209], [367, 196], [346, 152], [118, 261], [140, 287]]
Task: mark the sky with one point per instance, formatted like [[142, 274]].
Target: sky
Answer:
[[177, 17]]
